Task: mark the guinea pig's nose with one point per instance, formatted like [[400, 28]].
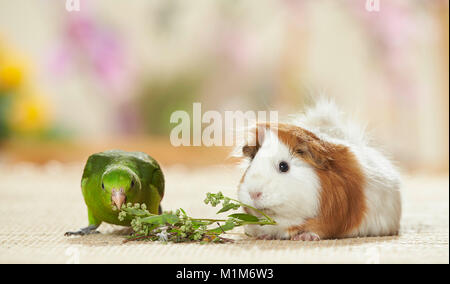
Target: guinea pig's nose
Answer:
[[255, 195]]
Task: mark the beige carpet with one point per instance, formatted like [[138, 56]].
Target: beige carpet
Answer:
[[38, 204]]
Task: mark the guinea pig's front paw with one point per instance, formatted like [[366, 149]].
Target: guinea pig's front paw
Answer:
[[305, 236]]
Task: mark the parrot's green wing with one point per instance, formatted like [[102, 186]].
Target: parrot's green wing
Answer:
[[148, 170]]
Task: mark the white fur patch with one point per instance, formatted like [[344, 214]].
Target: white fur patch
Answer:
[[290, 196]]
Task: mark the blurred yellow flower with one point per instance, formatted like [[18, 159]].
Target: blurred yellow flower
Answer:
[[11, 76], [30, 114], [13, 68]]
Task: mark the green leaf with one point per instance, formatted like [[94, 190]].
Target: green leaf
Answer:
[[225, 227], [173, 230], [151, 227], [197, 224], [171, 218], [136, 212], [161, 219], [226, 208], [245, 217]]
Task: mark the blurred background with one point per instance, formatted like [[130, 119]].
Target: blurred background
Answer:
[[111, 74]]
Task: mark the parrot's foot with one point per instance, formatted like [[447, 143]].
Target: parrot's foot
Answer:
[[84, 231]]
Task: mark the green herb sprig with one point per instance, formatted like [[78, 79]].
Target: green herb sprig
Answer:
[[176, 226]]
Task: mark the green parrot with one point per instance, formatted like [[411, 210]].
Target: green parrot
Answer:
[[115, 177]]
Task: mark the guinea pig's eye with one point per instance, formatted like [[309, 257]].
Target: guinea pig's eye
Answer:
[[283, 167], [132, 183]]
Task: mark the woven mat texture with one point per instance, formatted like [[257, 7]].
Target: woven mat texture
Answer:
[[39, 204]]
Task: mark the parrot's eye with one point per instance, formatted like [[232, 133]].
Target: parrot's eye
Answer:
[[132, 183], [103, 186]]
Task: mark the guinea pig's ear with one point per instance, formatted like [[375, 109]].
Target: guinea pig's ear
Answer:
[[315, 153], [249, 151], [252, 142]]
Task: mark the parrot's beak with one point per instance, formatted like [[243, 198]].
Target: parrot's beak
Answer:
[[118, 197]]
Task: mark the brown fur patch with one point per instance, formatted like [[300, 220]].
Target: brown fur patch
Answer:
[[342, 200]]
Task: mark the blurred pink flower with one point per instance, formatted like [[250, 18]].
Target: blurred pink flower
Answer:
[[236, 47], [393, 28], [88, 47], [297, 10], [393, 24], [97, 48]]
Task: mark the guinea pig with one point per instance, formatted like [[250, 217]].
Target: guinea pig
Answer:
[[318, 177]]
